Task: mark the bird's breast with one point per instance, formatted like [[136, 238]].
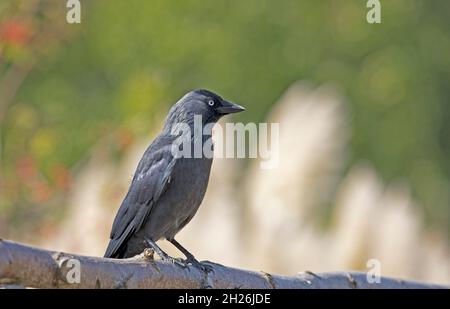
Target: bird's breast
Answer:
[[181, 200]]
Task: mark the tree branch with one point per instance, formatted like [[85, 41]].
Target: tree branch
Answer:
[[25, 266]]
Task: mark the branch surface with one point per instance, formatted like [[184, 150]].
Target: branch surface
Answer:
[[25, 266]]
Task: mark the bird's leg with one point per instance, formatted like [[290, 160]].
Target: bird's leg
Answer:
[[157, 249], [164, 256], [189, 256]]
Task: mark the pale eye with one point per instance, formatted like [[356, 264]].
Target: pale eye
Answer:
[[211, 103]]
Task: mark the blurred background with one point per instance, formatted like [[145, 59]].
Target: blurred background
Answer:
[[364, 113]]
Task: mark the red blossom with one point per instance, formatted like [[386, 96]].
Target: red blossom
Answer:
[[61, 176], [15, 32]]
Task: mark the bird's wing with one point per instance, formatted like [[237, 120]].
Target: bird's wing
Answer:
[[150, 181]]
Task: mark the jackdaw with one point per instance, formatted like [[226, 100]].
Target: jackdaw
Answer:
[[167, 189]]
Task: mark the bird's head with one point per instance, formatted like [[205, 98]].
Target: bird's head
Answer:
[[210, 106]]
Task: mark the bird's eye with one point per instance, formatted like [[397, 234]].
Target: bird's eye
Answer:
[[211, 102]]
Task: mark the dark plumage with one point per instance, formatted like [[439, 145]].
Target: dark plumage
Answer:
[[166, 191]]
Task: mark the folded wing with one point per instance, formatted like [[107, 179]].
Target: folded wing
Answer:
[[151, 179]]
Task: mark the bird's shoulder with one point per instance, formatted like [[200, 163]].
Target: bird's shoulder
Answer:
[[159, 150]]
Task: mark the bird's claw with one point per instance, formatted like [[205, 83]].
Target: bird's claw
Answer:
[[177, 261]]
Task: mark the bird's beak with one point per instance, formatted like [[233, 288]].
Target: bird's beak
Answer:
[[229, 108]]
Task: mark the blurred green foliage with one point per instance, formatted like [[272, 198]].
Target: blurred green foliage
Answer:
[[128, 60]]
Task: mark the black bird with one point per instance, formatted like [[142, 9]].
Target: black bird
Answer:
[[167, 189]]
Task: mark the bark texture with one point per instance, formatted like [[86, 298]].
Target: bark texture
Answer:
[[25, 266]]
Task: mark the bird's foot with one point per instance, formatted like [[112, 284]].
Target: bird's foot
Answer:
[[190, 259], [167, 258], [177, 261]]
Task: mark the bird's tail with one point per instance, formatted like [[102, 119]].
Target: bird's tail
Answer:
[[117, 246], [114, 249]]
